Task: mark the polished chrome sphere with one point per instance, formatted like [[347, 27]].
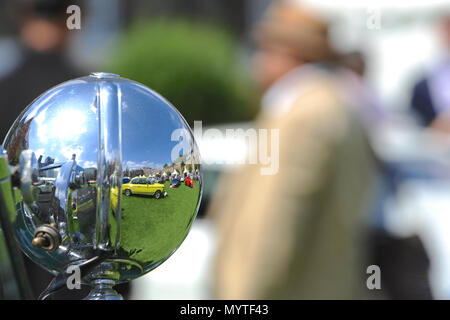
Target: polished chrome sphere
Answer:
[[104, 162]]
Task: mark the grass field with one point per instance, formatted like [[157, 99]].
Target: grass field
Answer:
[[150, 229]]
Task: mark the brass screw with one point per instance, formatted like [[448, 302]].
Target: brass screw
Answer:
[[46, 237], [40, 242]]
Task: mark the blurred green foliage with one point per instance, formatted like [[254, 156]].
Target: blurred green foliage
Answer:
[[194, 65]]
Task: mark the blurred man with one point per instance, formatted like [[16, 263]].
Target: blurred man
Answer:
[[43, 36], [296, 234], [431, 95]]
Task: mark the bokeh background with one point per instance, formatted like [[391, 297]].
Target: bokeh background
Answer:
[[198, 54]]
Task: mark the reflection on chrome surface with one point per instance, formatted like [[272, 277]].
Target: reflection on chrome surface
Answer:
[[107, 152]]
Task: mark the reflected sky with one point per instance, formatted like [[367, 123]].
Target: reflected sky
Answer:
[[65, 123], [152, 146]]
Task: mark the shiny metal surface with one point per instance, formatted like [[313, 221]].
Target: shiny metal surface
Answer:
[[88, 134]]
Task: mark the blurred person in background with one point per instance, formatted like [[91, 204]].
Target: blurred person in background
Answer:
[[431, 96], [297, 234], [400, 259], [405, 260], [43, 37]]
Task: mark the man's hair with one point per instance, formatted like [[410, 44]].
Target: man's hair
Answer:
[[298, 27], [48, 9]]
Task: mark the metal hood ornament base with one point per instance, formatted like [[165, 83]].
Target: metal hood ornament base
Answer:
[[90, 162]]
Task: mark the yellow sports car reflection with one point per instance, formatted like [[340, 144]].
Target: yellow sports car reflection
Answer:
[[143, 186]]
